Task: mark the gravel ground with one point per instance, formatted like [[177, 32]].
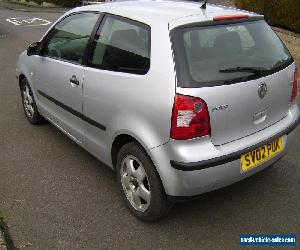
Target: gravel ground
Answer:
[[291, 40], [2, 243], [223, 2]]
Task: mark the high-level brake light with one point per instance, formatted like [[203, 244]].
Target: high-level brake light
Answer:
[[230, 17]]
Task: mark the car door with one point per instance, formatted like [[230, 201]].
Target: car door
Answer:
[[118, 62], [59, 72]]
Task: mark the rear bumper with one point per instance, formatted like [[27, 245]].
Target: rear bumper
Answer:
[[230, 157], [191, 168]]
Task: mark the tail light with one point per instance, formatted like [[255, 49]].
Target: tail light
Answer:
[[190, 118], [295, 86]]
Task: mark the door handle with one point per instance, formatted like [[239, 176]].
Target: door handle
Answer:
[[74, 80]]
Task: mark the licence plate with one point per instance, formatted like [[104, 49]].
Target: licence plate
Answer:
[[257, 156]]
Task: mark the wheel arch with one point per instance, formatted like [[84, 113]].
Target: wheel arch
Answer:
[[21, 78], [118, 142], [123, 138]]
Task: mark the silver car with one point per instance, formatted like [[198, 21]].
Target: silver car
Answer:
[[178, 98]]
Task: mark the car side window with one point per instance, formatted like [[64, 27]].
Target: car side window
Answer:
[[123, 45], [69, 38]]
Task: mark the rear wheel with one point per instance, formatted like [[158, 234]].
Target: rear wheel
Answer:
[[140, 184], [30, 109]]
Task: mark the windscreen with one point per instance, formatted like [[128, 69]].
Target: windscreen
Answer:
[[225, 54]]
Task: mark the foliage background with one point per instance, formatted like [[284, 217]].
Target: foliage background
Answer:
[[66, 3], [281, 13]]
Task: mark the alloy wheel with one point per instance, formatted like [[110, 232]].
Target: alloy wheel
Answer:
[[28, 101], [135, 183]]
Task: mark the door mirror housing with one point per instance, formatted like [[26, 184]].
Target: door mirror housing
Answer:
[[33, 49]]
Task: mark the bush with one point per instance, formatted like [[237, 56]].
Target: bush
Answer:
[[66, 3], [281, 13]]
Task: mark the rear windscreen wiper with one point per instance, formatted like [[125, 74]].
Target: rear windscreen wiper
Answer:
[[255, 70]]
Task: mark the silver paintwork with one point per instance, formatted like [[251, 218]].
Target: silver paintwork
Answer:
[[53, 77], [141, 105], [185, 183], [135, 183]]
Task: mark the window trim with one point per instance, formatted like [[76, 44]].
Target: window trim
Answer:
[[92, 45], [94, 30]]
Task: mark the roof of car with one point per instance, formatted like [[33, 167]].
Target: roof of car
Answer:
[[162, 11]]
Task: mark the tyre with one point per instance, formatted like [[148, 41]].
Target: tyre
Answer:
[[30, 109], [140, 184]]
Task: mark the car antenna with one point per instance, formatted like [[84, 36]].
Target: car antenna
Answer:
[[203, 6]]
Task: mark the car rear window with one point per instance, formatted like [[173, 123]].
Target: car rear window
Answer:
[[226, 54]]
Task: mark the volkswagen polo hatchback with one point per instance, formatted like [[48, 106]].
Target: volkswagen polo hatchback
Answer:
[[177, 98]]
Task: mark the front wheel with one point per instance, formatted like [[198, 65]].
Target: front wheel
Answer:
[[140, 184], [30, 109]]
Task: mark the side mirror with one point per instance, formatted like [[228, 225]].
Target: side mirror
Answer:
[[33, 49]]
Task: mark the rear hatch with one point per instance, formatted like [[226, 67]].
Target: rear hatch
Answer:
[[241, 70]]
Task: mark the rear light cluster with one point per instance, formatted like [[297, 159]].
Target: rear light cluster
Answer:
[[190, 118], [295, 86]]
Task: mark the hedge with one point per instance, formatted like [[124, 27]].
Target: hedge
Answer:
[[281, 13], [66, 3]]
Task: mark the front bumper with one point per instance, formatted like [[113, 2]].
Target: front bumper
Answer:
[[216, 167]]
